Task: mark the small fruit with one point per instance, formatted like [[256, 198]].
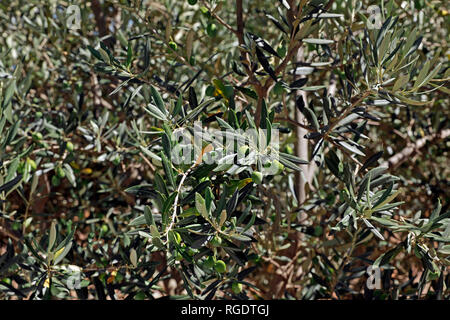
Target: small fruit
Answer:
[[37, 136], [104, 228], [276, 167], [192, 2], [211, 30], [55, 181], [38, 114], [209, 262], [220, 266], [318, 231], [60, 172], [21, 168], [173, 45], [69, 146], [190, 252], [32, 165], [257, 177], [216, 241], [205, 12], [278, 89], [86, 171], [236, 287], [178, 256], [177, 237], [210, 91]]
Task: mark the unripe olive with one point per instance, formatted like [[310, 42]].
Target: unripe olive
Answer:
[[279, 166], [205, 12], [60, 172], [209, 262], [173, 45], [211, 30], [220, 266], [55, 181], [257, 177], [216, 241], [242, 151], [178, 256], [236, 287], [177, 237], [116, 160], [38, 114], [69, 146], [37, 136], [275, 166], [190, 252], [32, 164], [192, 2]]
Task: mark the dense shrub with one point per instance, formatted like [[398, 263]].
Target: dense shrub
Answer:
[[334, 175]]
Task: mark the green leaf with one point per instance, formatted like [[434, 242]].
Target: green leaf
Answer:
[[158, 100], [318, 41], [52, 236], [200, 205]]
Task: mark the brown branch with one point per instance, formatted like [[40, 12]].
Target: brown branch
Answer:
[[405, 154], [240, 21]]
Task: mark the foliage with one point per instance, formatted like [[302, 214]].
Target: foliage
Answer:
[[94, 204]]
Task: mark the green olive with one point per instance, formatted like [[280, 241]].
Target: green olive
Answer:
[[60, 172], [220, 266], [216, 241], [69, 146], [192, 2], [173, 45], [55, 181], [178, 256], [236, 287], [209, 262], [32, 164], [37, 136], [211, 30], [21, 168], [278, 89], [257, 177], [116, 160]]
